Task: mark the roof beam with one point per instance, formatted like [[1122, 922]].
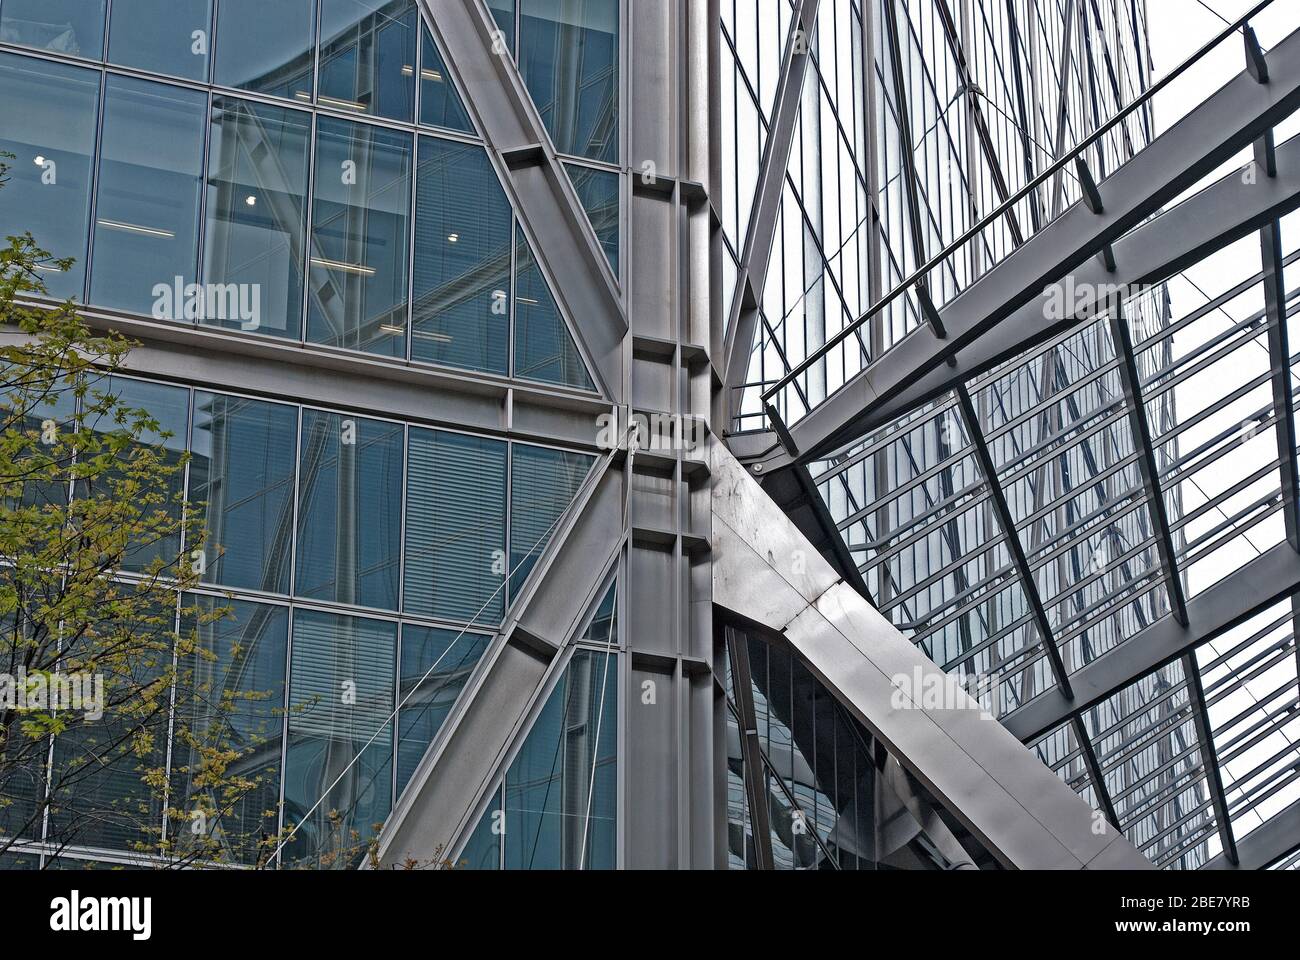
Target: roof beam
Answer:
[[1247, 591], [540, 191], [1004, 312], [1268, 843]]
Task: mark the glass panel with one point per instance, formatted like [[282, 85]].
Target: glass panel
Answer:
[[462, 259], [359, 238], [256, 217], [170, 408], [350, 510], [598, 191], [147, 218], [163, 36], [231, 697], [242, 470], [367, 56], [341, 695], [544, 350], [440, 104], [565, 775], [455, 527], [64, 26], [452, 657], [47, 121], [568, 55], [543, 482], [267, 47]]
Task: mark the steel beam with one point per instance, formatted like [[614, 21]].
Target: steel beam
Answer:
[[431, 818], [1014, 290], [756, 255], [1209, 755], [755, 771], [549, 209], [1268, 843], [1247, 591], [1021, 812]]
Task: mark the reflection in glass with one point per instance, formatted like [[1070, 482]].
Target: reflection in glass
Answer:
[[561, 788], [598, 191], [543, 482], [568, 55], [233, 698], [47, 122], [359, 238], [455, 526], [483, 849], [503, 13], [242, 472], [340, 697], [163, 36], [64, 26], [544, 349], [460, 314], [266, 47], [440, 104], [256, 216], [367, 57], [449, 658], [350, 510], [147, 217]]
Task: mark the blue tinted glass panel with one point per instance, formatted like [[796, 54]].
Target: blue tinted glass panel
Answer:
[[568, 55], [267, 47], [455, 526], [543, 482], [340, 697], [162, 36], [462, 259], [436, 665], [483, 850], [256, 208], [544, 349], [367, 56], [561, 788], [359, 238], [350, 510], [598, 191], [64, 26], [440, 104], [231, 696], [147, 218], [47, 121], [242, 471], [503, 12]]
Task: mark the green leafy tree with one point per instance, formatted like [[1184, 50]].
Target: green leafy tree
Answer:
[[98, 551]]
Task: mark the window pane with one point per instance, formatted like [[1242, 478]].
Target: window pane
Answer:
[[359, 238], [451, 657], [564, 778], [462, 259], [146, 222], [483, 849], [598, 191], [503, 12], [65, 26], [341, 695], [568, 55], [242, 470], [543, 482], [267, 47], [544, 350], [440, 104], [256, 217], [47, 121], [367, 56], [231, 697], [455, 526], [350, 510], [164, 36]]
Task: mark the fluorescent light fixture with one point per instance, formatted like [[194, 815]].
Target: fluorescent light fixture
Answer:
[[429, 335], [358, 268], [136, 228], [342, 104], [392, 328], [433, 75], [526, 300], [453, 238]]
